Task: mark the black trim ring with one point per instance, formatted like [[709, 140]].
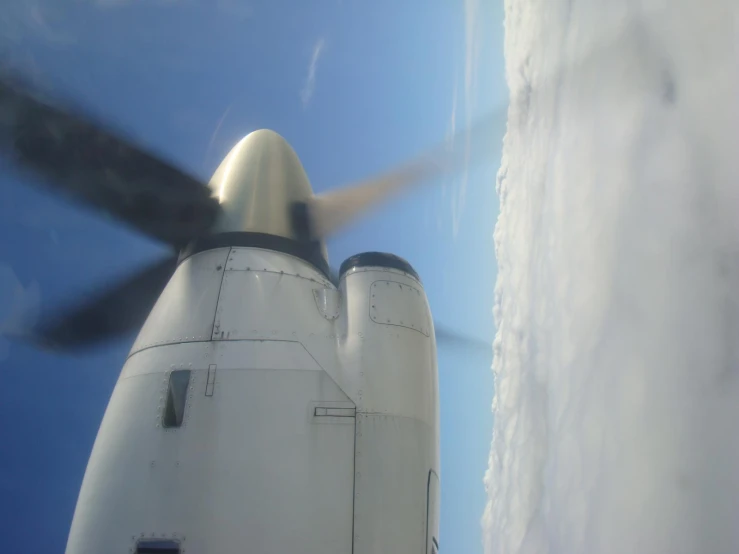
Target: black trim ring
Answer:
[[310, 252], [378, 259]]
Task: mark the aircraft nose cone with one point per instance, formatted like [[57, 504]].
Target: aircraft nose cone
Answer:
[[257, 183]]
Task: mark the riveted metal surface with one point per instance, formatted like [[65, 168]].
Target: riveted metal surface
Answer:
[[387, 369], [297, 398], [242, 354], [388, 271], [259, 304], [328, 302], [186, 308], [399, 304], [256, 259], [253, 439]]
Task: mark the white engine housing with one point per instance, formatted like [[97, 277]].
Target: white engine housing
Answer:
[[310, 421]]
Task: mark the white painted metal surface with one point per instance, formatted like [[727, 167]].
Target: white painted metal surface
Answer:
[[432, 514], [328, 301], [390, 373], [387, 369], [395, 303], [308, 427], [181, 314], [249, 469]]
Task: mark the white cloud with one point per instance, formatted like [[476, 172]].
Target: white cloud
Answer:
[[617, 300], [310, 82]]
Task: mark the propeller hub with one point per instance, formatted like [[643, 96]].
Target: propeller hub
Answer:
[[257, 185]]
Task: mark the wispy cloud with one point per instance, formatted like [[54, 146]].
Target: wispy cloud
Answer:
[[450, 145], [310, 82], [215, 133], [471, 63]]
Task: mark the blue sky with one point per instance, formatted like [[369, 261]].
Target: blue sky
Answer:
[[188, 80]]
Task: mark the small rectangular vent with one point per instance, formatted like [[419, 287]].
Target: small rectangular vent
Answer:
[[323, 411], [158, 547], [174, 410]]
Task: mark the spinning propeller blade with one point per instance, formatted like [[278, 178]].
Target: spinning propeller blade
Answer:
[[327, 213], [80, 158], [114, 312], [74, 155], [471, 344]]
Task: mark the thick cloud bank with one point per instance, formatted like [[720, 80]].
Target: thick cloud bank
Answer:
[[617, 301]]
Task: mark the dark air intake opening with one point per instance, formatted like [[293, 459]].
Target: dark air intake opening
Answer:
[[378, 259], [174, 411]]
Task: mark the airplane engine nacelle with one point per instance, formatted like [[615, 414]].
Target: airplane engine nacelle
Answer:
[[261, 409], [388, 361]]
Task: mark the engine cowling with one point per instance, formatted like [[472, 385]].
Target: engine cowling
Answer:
[[388, 361], [263, 408]]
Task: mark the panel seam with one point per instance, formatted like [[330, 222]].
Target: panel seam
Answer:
[[220, 289]]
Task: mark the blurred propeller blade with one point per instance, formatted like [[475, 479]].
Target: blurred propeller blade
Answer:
[[78, 157], [326, 213], [450, 338], [115, 312]]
